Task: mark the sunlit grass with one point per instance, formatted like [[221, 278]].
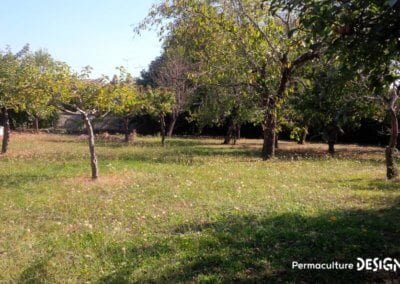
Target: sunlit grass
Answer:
[[192, 211]]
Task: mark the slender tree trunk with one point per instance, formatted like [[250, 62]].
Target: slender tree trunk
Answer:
[[276, 141], [162, 122], [93, 157], [332, 139], [6, 134], [36, 124], [126, 129], [269, 128], [171, 126], [234, 133], [331, 148], [238, 132], [133, 135], [333, 131], [303, 136], [229, 132], [391, 166]]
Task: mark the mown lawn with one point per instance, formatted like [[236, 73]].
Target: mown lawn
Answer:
[[194, 211]]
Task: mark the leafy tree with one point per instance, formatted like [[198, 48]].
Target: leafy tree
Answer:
[[224, 105], [88, 98], [328, 98], [173, 74], [40, 73], [268, 40], [11, 85], [171, 71], [160, 104], [365, 35], [127, 100]]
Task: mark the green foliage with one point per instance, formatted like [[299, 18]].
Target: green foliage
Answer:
[[40, 71], [329, 95], [363, 33], [126, 99], [160, 101], [12, 79]]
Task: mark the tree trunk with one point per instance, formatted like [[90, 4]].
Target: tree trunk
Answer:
[[133, 135], [162, 122], [331, 148], [303, 136], [126, 129], [276, 141], [333, 132], [391, 166], [93, 157], [269, 127], [6, 134], [36, 124], [229, 132], [171, 126], [238, 132]]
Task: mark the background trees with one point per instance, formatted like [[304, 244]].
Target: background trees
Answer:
[[328, 99], [267, 40], [126, 99], [365, 35]]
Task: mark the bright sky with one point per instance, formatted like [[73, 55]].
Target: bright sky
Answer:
[[98, 33]]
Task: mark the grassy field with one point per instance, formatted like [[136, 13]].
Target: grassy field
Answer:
[[194, 211]]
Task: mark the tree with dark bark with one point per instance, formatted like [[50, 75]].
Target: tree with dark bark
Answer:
[[363, 34], [329, 98], [269, 42]]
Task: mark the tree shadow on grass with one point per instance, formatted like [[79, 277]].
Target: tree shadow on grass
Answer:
[[261, 248], [375, 185], [17, 180], [36, 272]]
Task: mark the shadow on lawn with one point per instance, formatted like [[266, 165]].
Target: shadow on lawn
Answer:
[[255, 248], [376, 185], [37, 272], [17, 180], [189, 148]]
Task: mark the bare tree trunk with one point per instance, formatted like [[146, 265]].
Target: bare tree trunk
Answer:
[[93, 157], [238, 132], [333, 131], [303, 136], [171, 126], [269, 128], [126, 129], [276, 141], [162, 122], [36, 124], [229, 132], [391, 166], [6, 134], [133, 135], [331, 148]]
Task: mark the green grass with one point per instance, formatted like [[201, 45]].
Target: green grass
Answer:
[[194, 211]]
